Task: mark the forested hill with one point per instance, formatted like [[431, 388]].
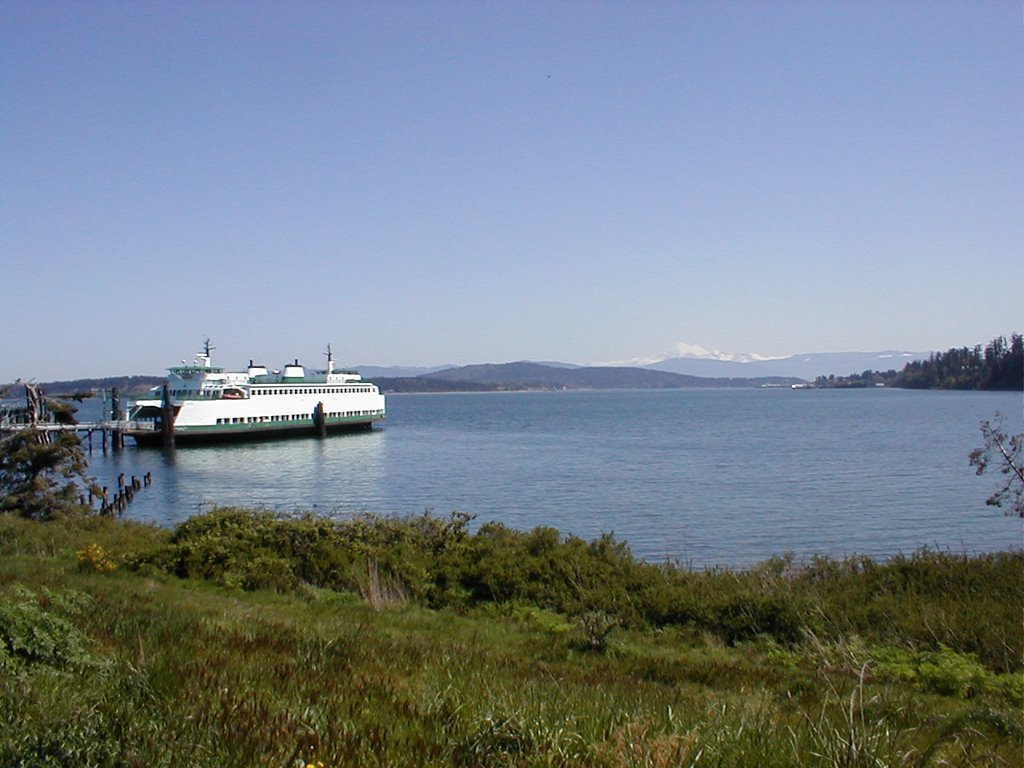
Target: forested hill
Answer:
[[997, 366], [525, 375]]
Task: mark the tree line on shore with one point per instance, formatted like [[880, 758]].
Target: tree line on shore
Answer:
[[998, 366]]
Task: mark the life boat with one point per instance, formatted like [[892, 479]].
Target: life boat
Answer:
[[234, 393]]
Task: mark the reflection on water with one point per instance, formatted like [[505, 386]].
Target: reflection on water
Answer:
[[340, 474]]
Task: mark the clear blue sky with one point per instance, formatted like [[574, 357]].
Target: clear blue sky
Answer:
[[458, 182]]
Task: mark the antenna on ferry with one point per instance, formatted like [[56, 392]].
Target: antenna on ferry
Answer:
[[205, 354], [330, 360]]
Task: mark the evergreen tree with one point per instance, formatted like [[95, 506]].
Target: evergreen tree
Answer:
[[998, 366], [42, 473]]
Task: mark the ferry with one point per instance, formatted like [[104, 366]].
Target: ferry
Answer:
[[202, 403]]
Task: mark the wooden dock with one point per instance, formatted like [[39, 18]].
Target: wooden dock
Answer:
[[82, 426], [36, 414], [111, 431]]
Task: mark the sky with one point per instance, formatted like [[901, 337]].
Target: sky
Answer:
[[454, 182]]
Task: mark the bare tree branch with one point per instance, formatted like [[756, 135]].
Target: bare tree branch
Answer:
[[1006, 451]]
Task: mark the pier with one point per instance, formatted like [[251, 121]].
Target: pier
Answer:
[[111, 431], [82, 426], [38, 414]]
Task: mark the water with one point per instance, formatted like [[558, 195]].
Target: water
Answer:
[[704, 477]]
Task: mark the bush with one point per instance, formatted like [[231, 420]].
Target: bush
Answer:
[[926, 600], [33, 633], [96, 559], [594, 629], [945, 672]]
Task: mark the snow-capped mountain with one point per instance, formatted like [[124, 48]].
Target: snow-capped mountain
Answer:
[[682, 350], [698, 361], [693, 351]]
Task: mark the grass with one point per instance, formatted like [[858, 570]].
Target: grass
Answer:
[[394, 643]]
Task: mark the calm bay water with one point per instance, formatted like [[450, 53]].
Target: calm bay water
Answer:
[[706, 477]]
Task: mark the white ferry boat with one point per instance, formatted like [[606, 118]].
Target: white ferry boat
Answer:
[[202, 403]]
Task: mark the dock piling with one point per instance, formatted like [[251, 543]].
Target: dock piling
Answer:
[[167, 422], [320, 420], [116, 436]]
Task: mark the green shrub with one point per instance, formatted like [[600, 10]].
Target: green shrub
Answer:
[[943, 671], [268, 679], [32, 631], [926, 600]]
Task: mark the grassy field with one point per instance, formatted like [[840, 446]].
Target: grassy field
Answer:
[[244, 639]]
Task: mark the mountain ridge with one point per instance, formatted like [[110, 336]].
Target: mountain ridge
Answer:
[[710, 364], [529, 375]]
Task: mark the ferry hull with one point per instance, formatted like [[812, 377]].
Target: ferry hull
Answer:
[[245, 433]]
